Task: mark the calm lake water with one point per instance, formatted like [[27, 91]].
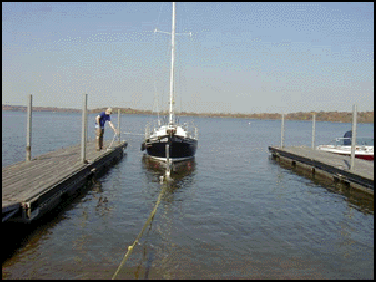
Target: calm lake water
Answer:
[[236, 214]]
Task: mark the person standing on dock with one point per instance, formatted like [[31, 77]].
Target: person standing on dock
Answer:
[[99, 127]]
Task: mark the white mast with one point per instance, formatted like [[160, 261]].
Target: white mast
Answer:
[[171, 118]]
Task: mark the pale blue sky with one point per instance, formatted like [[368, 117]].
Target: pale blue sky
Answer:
[[241, 58]]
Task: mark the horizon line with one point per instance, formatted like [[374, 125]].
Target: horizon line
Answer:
[[204, 113]]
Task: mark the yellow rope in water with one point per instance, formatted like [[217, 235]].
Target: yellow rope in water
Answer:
[[130, 248]]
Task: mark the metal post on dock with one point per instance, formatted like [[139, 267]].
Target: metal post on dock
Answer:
[[313, 130], [29, 126], [119, 125], [353, 137], [283, 131], [84, 130]]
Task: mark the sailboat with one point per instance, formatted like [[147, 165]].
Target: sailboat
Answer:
[[171, 142]]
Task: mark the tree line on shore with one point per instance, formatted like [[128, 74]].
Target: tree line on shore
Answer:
[[341, 117]]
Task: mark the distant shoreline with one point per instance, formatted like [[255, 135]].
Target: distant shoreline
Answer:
[[340, 117]]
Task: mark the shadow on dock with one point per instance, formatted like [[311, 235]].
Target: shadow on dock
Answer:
[[53, 157]]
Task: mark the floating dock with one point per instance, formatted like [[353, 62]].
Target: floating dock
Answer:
[[32, 188], [335, 167]]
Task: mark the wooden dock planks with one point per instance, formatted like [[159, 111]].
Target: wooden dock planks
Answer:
[[26, 180], [363, 173]]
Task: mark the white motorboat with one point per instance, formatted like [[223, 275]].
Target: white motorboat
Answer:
[[364, 148]]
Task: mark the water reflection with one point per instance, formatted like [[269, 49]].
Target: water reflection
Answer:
[[179, 170], [357, 199], [21, 245], [158, 248], [102, 207]]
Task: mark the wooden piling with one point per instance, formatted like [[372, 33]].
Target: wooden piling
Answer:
[[353, 138], [313, 130], [119, 126], [29, 127], [84, 130], [283, 131]]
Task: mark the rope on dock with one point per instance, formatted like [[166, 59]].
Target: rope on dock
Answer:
[[113, 139], [132, 133], [130, 248]]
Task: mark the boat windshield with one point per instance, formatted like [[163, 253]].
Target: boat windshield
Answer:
[[347, 141]]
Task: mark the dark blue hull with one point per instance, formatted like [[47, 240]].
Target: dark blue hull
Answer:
[[178, 148]]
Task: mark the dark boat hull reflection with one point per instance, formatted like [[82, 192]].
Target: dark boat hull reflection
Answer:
[[177, 168]]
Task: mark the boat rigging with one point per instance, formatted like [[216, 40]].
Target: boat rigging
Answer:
[[171, 142]]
